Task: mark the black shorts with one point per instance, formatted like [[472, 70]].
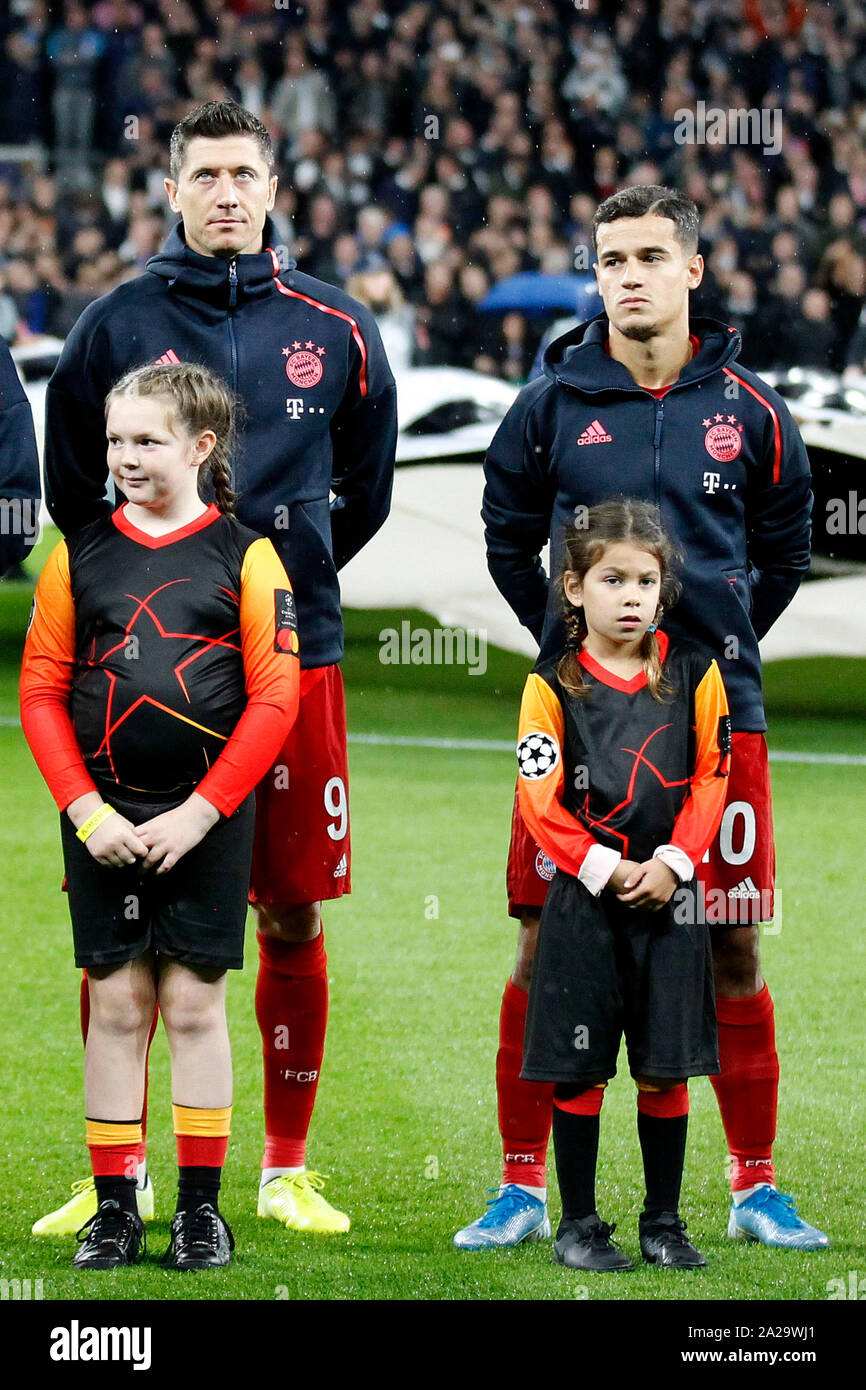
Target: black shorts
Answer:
[[603, 969], [195, 913]]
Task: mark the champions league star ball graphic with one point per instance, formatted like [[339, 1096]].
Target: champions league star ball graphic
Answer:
[[537, 754]]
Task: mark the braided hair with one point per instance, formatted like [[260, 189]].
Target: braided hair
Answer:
[[638, 524], [198, 400]]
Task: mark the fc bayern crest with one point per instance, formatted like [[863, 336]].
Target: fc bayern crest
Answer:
[[304, 363], [544, 866], [724, 441]]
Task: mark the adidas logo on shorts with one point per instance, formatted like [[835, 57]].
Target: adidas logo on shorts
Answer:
[[745, 889], [342, 868]]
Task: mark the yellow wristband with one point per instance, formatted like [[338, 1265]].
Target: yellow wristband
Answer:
[[87, 829]]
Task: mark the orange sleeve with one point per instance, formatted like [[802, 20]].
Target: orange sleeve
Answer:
[[46, 680], [699, 818], [269, 642], [541, 778]]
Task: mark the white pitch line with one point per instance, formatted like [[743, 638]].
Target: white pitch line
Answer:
[[498, 745], [501, 745]]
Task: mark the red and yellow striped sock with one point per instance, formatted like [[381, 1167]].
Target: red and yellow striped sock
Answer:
[[116, 1147], [202, 1135]]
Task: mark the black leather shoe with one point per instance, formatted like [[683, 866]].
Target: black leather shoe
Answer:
[[663, 1241], [587, 1244], [110, 1238], [200, 1239]]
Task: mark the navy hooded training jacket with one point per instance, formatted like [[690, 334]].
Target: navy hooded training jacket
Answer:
[[319, 397], [718, 454]]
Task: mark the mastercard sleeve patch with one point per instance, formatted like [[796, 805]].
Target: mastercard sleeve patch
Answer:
[[285, 622]]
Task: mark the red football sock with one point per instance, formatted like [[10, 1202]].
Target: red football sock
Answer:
[[84, 1015], [525, 1107], [747, 1089], [292, 1013], [116, 1148], [201, 1135]]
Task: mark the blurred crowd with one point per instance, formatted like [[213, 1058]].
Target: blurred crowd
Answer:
[[430, 149]]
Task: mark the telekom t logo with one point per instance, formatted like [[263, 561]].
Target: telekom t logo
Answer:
[[711, 482]]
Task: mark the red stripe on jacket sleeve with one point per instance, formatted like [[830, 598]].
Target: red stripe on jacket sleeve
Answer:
[[327, 309], [777, 429]]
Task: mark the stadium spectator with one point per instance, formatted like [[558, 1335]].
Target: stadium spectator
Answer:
[[460, 124]]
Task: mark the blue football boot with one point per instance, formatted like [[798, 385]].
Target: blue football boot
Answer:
[[512, 1216], [771, 1217]]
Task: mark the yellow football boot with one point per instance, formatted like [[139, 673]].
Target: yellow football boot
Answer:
[[75, 1213], [298, 1202]]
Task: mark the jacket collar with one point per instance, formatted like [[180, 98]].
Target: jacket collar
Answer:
[[207, 277], [578, 358]]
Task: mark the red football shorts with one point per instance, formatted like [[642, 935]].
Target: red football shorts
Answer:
[[737, 873], [302, 852]]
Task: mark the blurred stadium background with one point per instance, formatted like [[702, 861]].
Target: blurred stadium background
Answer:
[[443, 161]]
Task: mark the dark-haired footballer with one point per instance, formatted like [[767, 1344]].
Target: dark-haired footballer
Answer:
[[313, 471], [644, 401], [160, 676]]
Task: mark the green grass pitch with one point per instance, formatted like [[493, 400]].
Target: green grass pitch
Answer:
[[405, 1122]]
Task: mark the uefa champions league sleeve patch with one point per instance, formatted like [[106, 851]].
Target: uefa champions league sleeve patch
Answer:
[[537, 754], [285, 621]]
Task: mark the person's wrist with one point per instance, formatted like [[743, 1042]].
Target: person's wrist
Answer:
[[101, 814], [83, 807], [205, 810]]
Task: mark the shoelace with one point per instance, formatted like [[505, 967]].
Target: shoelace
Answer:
[[677, 1232], [601, 1235], [106, 1227], [200, 1227], [308, 1179], [509, 1204], [768, 1194], [82, 1185]]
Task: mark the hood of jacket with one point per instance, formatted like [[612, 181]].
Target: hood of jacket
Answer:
[[580, 359], [207, 277]]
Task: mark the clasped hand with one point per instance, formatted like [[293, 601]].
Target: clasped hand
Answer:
[[162, 840], [649, 885]]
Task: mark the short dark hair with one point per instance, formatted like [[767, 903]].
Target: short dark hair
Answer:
[[652, 198], [214, 120]]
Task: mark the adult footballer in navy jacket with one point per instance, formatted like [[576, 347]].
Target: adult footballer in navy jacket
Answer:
[[320, 418], [644, 401]]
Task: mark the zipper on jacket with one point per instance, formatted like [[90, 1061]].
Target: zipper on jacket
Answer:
[[233, 294], [660, 408]]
